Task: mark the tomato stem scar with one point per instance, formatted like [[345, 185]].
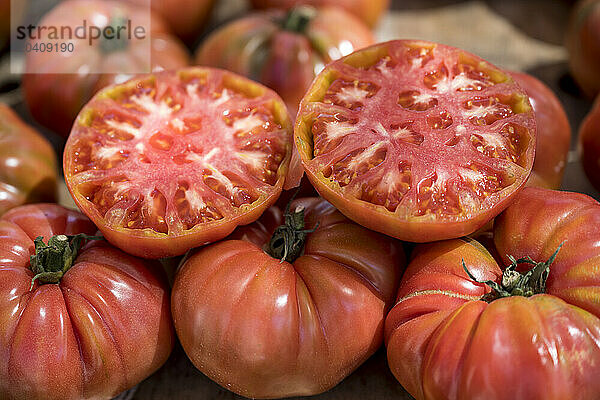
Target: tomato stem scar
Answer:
[[51, 261], [515, 283]]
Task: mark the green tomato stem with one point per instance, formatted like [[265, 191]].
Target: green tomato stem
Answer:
[[515, 283], [51, 261]]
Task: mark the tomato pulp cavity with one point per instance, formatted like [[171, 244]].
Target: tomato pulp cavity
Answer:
[[169, 161], [417, 140]]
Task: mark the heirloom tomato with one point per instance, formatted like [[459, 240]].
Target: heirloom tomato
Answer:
[[583, 44], [368, 11], [589, 144], [467, 327], [174, 160], [75, 322], [284, 51], [57, 85], [417, 140], [186, 18], [553, 133], [28, 170], [289, 305]]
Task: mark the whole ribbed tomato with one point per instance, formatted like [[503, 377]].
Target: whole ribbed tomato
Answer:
[[415, 139], [553, 133], [55, 97], [528, 328], [170, 161], [28, 170], [75, 322], [289, 305], [583, 44], [284, 50], [367, 10]]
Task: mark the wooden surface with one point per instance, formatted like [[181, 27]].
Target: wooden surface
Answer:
[[518, 34]]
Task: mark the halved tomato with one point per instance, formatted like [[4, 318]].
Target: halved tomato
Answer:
[[418, 140], [169, 161]]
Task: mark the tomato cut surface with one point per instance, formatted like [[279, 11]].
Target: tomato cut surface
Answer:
[[174, 160], [417, 140]]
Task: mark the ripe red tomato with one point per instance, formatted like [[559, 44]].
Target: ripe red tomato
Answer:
[[450, 336], [284, 51], [589, 144], [54, 98], [170, 161], [28, 170], [553, 133], [186, 18], [417, 140], [85, 327], [266, 328], [583, 44], [368, 11]]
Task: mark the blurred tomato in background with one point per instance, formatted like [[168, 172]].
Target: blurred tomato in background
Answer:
[[284, 50], [368, 10], [553, 133], [54, 98], [186, 18], [583, 44], [28, 171], [589, 144]]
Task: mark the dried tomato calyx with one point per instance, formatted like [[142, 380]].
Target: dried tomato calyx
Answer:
[[287, 242], [515, 283], [51, 261], [298, 18]]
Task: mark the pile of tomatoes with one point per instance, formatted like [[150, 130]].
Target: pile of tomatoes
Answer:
[[428, 218]]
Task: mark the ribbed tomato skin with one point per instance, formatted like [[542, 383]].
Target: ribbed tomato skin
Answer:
[[444, 342], [102, 329], [269, 329]]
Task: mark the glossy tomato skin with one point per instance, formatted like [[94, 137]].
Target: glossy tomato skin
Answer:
[[368, 11], [186, 18], [28, 170], [443, 341], [583, 45], [589, 145], [158, 183], [55, 98], [268, 329], [101, 330], [553, 133], [392, 135], [257, 46]]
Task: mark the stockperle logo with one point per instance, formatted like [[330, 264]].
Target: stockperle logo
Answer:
[[104, 33]]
